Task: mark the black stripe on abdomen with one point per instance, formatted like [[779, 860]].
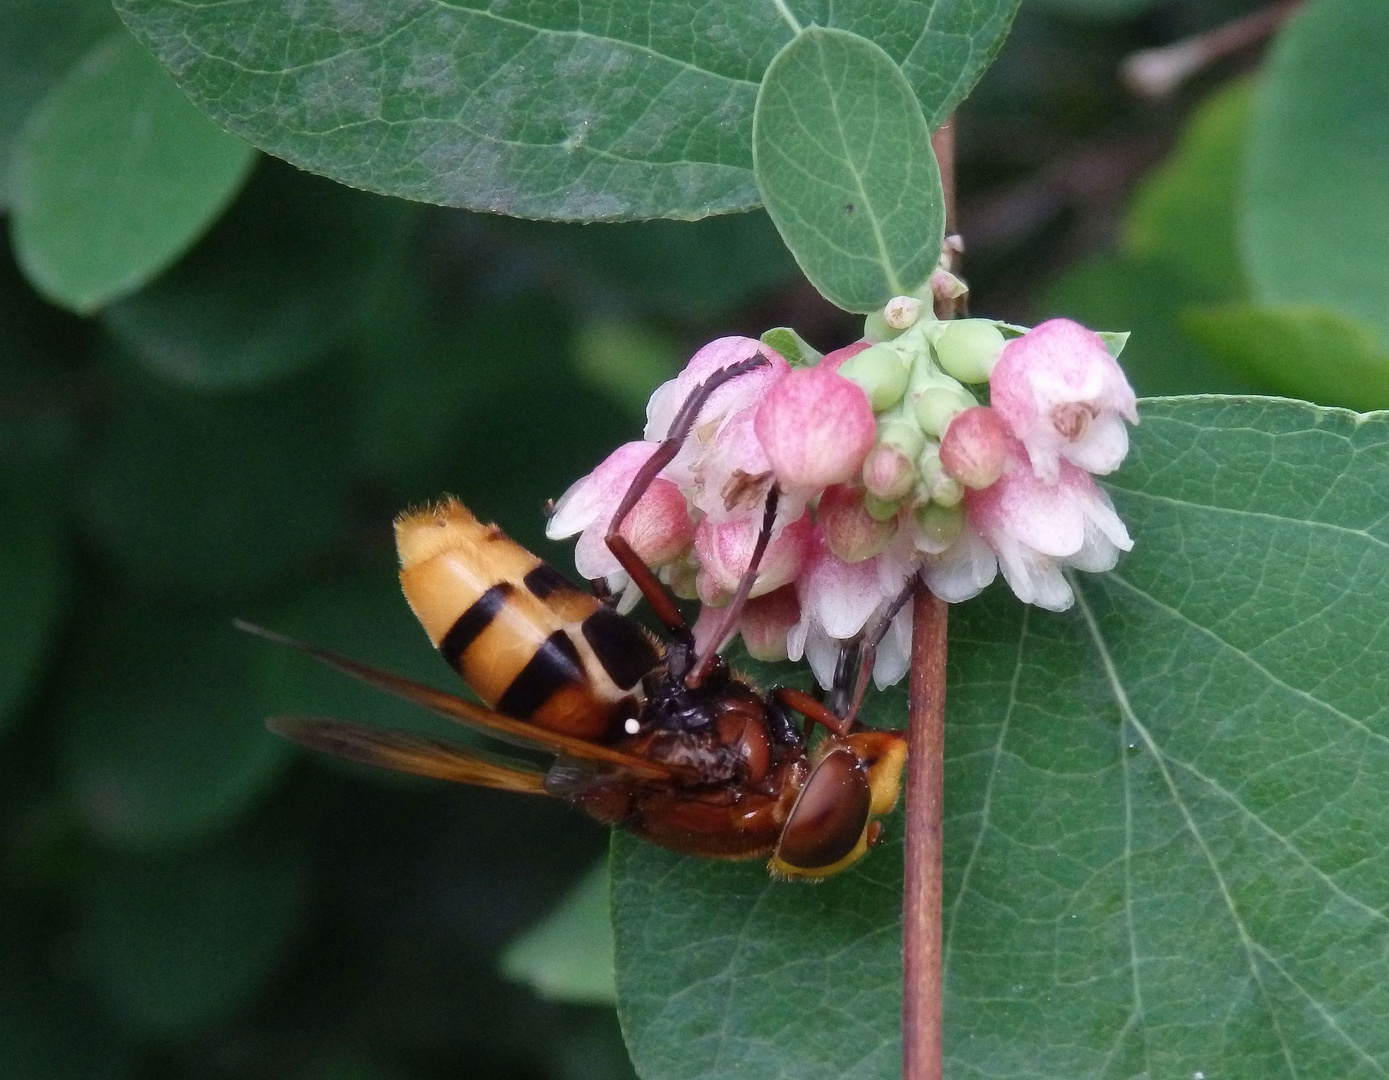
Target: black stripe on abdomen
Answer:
[[545, 581], [621, 647], [556, 664], [473, 622]]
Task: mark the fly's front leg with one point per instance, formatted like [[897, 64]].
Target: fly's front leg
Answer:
[[651, 588]]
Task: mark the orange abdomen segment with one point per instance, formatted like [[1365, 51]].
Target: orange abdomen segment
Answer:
[[529, 643]]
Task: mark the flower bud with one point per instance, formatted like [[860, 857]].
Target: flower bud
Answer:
[[851, 533], [880, 509], [875, 328], [937, 526], [896, 429], [968, 349], [832, 360], [888, 473], [974, 448], [936, 485], [879, 369], [936, 406], [902, 312], [724, 551], [767, 620], [659, 527], [816, 428]]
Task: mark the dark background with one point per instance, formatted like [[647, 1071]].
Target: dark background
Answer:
[[183, 896]]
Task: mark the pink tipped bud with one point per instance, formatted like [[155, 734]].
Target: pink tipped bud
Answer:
[[975, 447], [767, 620], [888, 473], [725, 550], [816, 428], [659, 527], [832, 360], [850, 531]]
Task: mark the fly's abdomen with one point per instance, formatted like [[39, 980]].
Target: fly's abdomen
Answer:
[[529, 643]]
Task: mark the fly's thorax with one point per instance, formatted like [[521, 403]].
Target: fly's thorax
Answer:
[[530, 643]]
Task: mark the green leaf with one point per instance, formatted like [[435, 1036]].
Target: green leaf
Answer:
[[161, 732], [569, 956], [1167, 810], [34, 583], [792, 346], [1184, 212], [1316, 220], [195, 496], [1308, 352], [292, 272], [621, 110], [845, 166], [179, 943], [39, 41], [115, 176]]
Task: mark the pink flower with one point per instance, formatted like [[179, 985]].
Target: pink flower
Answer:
[[764, 624], [724, 352], [1036, 528], [974, 447], [1060, 392], [658, 528], [732, 476], [724, 551], [838, 601], [816, 428], [964, 569]]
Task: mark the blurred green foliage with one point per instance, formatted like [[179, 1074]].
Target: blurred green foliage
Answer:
[[181, 897]]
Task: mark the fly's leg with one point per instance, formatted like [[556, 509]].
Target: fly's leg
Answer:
[[740, 598], [815, 712], [872, 638], [650, 586]]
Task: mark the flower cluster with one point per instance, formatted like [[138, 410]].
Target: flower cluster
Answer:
[[885, 465]]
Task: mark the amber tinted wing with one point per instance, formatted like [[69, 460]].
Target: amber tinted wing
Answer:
[[516, 732], [408, 754]]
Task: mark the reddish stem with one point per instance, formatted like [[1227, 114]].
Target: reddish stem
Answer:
[[922, 1037], [921, 912]]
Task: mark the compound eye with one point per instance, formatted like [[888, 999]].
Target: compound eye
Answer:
[[829, 816]]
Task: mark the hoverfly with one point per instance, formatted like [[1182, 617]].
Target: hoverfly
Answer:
[[666, 743]]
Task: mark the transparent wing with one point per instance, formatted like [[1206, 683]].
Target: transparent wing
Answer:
[[506, 728], [409, 754]]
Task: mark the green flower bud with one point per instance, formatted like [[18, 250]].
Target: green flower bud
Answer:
[[881, 372], [969, 348], [936, 485], [880, 509], [899, 430], [938, 525], [936, 406]]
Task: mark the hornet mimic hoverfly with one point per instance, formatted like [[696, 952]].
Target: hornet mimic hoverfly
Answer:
[[668, 744]]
